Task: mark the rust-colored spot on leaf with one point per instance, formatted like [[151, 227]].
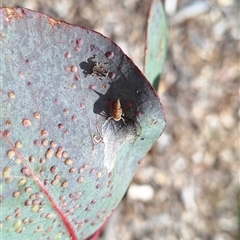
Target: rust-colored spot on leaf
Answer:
[[8, 123], [53, 169], [72, 170], [50, 215], [80, 179], [6, 133], [26, 122], [7, 171], [64, 184], [64, 154], [18, 144], [54, 182], [45, 142], [8, 180], [11, 95], [31, 159], [8, 218], [16, 194], [22, 181], [44, 133], [68, 55], [53, 22], [10, 154], [74, 68], [68, 161], [26, 172], [37, 115], [12, 13], [49, 153], [99, 174], [53, 144], [28, 189], [59, 152], [34, 208]]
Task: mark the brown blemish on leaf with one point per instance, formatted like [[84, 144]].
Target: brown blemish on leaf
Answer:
[[31, 159], [109, 54], [11, 95], [18, 215], [25, 220], [53, 169], [54, 182], [37, 115], [22, 181], [65, 111], [64, 184], [18, 161], [28, 189], [72, 170], [68, 161], [8, 218], [44, 133], [99, 174], [7, 171], [26, 172], [8, 123], [37, 142], [18, 144], [45, 142], [68, 55], [35, 202], [87, 208], [6, 133], [8, 180], [82, 105], [42, 160], [34, 208], [16, 194], [80, 179], [64, 154], [49, 153], [59, 152], [79, 42], [86, 166], [50, 215], [53, 144], [26, 122], [39, 229], [57, 177], [74, 68], [67, 69], [10, 154], [77, 78], [77, 49]]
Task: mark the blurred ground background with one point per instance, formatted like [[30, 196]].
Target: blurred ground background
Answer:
[[191, 175]]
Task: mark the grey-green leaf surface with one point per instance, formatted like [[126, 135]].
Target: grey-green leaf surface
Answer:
[[156, 43], [68, 152]]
